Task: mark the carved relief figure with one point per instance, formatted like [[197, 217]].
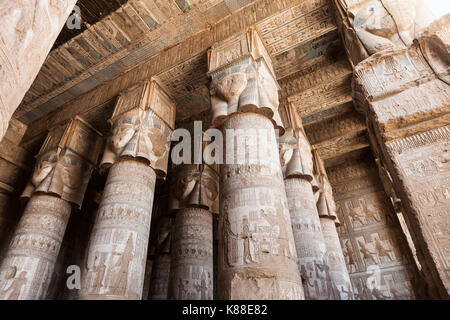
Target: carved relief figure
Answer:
[[246, 235], [16, 284], [122, 266]]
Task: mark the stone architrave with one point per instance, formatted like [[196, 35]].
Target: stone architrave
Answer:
[[257, 257], [136, 153], [196, 198], [338, 279], [297, 165], [401, 83], [59, 180], [29, 30]]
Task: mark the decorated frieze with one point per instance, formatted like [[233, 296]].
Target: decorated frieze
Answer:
[[142, 123], [65, 162]]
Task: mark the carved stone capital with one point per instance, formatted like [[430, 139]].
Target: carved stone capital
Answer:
[[65, 162], [326, 206], [195, 186], [295, 155], [142, 122], [242, 79]]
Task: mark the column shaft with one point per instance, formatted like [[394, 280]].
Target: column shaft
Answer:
[[191, 274], [159, 283], [257, 258], [309, 240], [118, 246], [337, 277], [27, 269]]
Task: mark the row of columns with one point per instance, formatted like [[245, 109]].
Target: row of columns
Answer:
[[277, 222]]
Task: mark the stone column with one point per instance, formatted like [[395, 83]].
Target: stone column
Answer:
[[29, 30], [64, 166], [15, 166], [297, 165], [195, 198], [136, 153], [401, 82], [338, 279], [161, 253], [159, 281], [257, 257]]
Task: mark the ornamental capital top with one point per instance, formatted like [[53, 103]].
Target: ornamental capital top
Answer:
[[248, 44], [65, 162], [147, 95]]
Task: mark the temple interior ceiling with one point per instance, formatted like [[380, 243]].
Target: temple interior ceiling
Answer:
[[129, 41]]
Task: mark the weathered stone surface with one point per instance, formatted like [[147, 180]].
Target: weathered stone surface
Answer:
[[59, 181], [371, 26], [28, 33], [161, 247], [27, 270], [191, 273], [257, 256]]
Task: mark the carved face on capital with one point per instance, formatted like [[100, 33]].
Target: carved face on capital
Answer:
[[73, 170], [230, 87], [197, 187], [44, 167], [123, 131]]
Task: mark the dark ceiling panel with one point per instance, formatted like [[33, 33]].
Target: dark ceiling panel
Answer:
[[92, 11]]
